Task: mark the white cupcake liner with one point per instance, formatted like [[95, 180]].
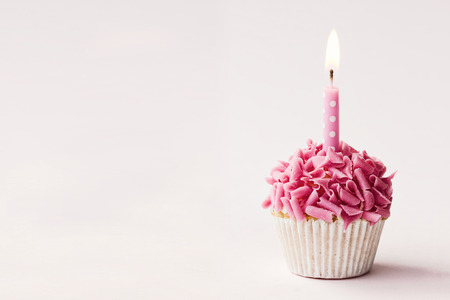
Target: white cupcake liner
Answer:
[[318, 249]]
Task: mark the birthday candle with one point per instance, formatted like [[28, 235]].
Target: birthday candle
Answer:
[[331, 96]]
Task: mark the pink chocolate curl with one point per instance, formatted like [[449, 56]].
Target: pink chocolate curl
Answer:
[[371, 217], [266, 202], [330, 206], [288, 207], [320, 213], [301, 192], [279, 192], [299, 215], [363, 183], [347, 197]]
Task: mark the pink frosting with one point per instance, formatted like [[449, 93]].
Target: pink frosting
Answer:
[[324, 184]]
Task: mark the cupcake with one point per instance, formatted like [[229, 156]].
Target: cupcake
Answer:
[[329, 209]]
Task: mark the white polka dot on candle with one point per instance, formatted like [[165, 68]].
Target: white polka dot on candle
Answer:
[[332, 133], [332, 119], [333, 103]]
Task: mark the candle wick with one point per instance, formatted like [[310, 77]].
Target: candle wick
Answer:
[[331, 77]]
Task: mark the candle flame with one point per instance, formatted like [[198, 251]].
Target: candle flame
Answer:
[[333, 54]]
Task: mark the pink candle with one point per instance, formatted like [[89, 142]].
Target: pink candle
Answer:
[[331, 118], [331, 96]]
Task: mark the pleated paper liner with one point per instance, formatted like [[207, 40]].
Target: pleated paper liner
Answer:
[[318, 249]]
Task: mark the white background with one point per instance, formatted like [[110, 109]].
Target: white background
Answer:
[[135, 137]]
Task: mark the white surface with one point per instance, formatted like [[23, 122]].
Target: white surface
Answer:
[[135, 137]]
